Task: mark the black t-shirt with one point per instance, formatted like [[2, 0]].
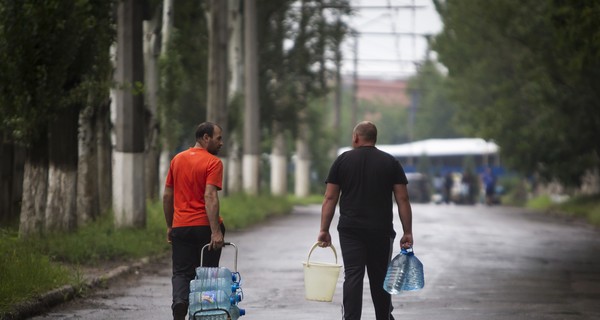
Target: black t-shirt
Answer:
[[366, 176]]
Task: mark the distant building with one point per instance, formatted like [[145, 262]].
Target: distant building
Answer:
[[390, 92]]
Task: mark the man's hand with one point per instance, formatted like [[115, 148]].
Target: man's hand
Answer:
[[324, 239], [169, 229], [406, 241], [216, 240]]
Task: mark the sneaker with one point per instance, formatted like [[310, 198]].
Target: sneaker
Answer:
[[179, 311]]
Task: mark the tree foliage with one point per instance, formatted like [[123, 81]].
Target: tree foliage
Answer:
[[297, 44], [53, 55], [435, 113], [183, 75], [524, 73]]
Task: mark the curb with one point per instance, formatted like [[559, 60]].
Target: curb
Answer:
[[45, 301]]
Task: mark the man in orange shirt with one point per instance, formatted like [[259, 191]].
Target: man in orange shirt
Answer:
[[191, 208]]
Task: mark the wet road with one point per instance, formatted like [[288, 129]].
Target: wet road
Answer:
[[480, 263]]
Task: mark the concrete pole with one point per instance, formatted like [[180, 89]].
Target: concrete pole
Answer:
[[129, 202], [251, 158]]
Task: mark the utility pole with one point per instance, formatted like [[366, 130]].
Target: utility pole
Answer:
[[251, 158], [129, 197], [355, 84]]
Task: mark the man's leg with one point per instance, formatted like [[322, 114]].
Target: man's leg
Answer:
[[184, 255], [379, 253], [354, 252]]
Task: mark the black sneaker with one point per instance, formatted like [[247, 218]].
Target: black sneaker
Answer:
[[180, 311]]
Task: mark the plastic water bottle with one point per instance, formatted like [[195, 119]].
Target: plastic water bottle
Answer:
[[209, 300], [224, 284], [214, 305], [235, 312], [216, 272], [405, 273]]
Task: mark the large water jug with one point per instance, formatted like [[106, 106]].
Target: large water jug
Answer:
[[405, 273], [210, 284], [214, 305], [234, 313], [209, 300], [216, 272]]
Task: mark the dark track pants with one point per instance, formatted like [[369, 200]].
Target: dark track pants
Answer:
[[187, 243], [371, 249]]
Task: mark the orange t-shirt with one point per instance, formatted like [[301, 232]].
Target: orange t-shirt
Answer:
[[190, 172]]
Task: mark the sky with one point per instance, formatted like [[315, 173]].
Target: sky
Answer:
[[386, 55]]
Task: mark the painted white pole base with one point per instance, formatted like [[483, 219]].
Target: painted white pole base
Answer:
[[250, 169], [302, 183], [129, 197], [278, 175]]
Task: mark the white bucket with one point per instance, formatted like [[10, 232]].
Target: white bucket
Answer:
[[320, 278]]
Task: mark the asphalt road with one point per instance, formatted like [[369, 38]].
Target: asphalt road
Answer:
[[480, 263]]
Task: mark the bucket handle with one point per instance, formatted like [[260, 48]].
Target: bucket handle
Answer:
[[315, 246]]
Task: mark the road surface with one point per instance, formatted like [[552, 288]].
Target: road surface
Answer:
[[480, 263]]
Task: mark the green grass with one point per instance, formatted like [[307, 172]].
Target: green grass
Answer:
[[24, 272], [539, 203], [586, 207], [312, 199], [240, 210], [29, 267]]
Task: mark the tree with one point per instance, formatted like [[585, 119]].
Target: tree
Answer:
[[293, 76], [524, 73], [434, 114], [49, 69]]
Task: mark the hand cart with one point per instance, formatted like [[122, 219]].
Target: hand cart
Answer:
[[216, 291]]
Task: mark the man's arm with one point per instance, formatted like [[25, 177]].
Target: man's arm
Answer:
[[168, 210], [332, 194], [405, 213], [211, 199]]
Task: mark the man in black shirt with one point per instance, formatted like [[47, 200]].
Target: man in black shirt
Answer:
[[366, 178]]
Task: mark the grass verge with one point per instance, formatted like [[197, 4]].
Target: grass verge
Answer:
[[586, 207], [29, 267]]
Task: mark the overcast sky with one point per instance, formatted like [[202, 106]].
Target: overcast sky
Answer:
[[386, 55]]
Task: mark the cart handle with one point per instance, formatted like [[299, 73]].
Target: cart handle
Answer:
[[225, 244]]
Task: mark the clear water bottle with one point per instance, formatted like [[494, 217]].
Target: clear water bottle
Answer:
[[213, 305], [209, 284], [405, 273], [216, 272], [209, 300], [235, 312]]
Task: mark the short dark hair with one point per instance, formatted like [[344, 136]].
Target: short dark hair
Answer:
[[205, 128]]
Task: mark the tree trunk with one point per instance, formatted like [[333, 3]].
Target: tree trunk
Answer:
[[104, 149], [151, 55], [165, 153], [61, 201], [87, 171], [216, 106], [11, 180], [251, 159], [278, 162], [35, 190], [302, 181], [234, 171], [236, 81], [129, 201]]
